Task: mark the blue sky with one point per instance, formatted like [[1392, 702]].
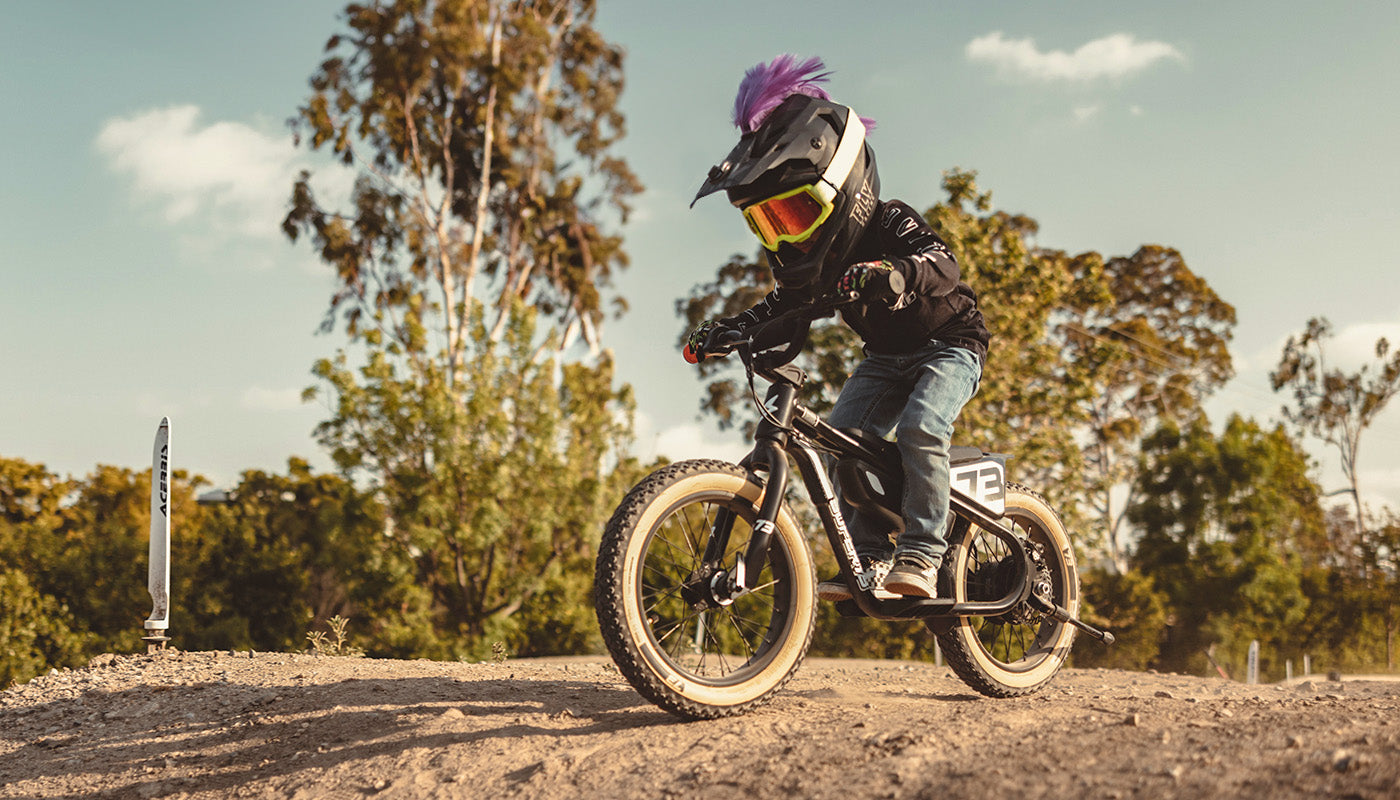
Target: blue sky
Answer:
[[146, 164]]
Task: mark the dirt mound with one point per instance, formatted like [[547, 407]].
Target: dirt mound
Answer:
[[297, 726]]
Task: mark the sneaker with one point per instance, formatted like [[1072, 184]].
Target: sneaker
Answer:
[[912, 578], [834, 590]]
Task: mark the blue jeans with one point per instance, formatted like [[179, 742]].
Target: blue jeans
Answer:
[[917, 396]]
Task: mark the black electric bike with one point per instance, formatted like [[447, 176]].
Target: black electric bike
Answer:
[[705, 585]]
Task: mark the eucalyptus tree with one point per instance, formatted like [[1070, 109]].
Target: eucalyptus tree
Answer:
[[1337, 407], [481, 134], [1156, 352], [1331, 404]]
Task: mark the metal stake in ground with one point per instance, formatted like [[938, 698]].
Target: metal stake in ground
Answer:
[[158, 577]]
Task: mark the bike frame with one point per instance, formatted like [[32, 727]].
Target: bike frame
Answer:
[[789, 429]]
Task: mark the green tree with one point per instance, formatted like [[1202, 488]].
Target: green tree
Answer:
[[287, 553], [1382, 548], [1032, 398], [81, 548], [30, 494], [482, 132], [1154, 353], [1332, 405], [36, 631], [1225, 522], [1130, 605], [500, 498], [101, 566], [1341, 630]]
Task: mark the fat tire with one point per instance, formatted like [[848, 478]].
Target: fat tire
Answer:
[[618, 596], [964, 650]]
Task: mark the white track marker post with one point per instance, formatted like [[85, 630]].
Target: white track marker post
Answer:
[[158, 578]]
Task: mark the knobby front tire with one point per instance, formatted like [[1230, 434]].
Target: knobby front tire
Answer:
[[1018, 652], [691, 659]]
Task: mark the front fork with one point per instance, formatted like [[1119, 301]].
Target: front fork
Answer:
[[768, 456]]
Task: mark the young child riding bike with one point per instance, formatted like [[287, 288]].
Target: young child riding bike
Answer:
[[804, 177]]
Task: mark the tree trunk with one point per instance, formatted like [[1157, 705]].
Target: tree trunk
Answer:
[[1390, 628], [484, 187]]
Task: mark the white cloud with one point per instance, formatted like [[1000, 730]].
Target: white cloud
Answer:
[[1355, 345], [1085, 113], [1348, 348], [232, 176], [1115, 56], [259, 399]]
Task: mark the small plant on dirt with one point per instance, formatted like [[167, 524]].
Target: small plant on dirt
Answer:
[[335, 643], [498, 652]]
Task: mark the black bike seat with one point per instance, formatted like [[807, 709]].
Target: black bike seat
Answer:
[[961, 454]]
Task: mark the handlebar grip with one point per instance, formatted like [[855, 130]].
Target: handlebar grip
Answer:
[[719, 342], [727, 338], [896, 281]]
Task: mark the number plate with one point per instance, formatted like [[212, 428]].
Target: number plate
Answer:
[[984, 482]]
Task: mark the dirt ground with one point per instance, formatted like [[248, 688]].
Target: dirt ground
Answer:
[[206, 725]]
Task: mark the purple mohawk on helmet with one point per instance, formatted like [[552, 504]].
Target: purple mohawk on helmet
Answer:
[[766, 86]]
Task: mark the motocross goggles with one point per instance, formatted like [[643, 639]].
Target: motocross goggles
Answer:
[[792, 216]]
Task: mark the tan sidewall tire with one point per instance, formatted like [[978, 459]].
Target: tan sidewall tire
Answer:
[[1004, 682], [680, 693]]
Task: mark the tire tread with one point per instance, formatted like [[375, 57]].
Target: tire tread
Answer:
[[961, 660], [609, 597]]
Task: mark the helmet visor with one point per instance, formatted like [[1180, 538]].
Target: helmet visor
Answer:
[[792, 216]]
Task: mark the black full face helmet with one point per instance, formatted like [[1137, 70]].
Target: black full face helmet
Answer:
[[806, 182]]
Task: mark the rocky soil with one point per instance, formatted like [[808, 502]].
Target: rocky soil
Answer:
[[206, 725]]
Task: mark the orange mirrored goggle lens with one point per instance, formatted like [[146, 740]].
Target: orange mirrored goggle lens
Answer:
[[786, 218]]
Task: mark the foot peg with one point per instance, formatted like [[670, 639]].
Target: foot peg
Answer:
[[1060, 615]]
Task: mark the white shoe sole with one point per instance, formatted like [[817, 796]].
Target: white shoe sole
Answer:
[[837, 595], [911, 590]]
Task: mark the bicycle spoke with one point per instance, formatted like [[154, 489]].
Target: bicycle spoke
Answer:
[[688, 558], [661, 636], [723, 663], [738, 627], [714, 646], [744, 627], [686, 530]]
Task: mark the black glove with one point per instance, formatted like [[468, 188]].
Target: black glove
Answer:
[[694, 351], [873, 280]]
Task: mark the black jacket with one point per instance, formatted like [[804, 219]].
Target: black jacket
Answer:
[[942, 306]]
